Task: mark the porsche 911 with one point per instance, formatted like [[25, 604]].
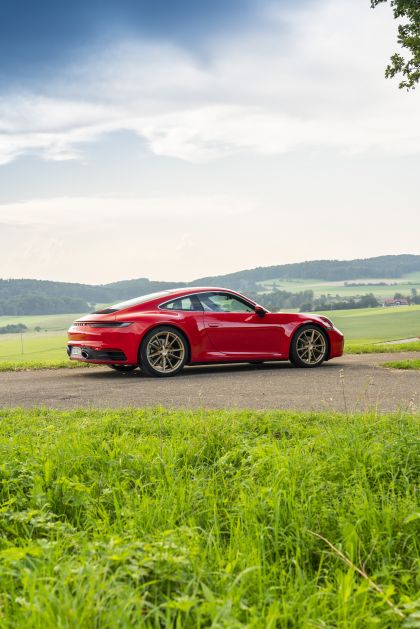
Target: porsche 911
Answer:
[[162, 332]]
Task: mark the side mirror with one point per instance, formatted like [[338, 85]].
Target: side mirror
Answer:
[[259, 311]]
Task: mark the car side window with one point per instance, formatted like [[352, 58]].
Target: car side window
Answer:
[[183, 303], [224, 302]]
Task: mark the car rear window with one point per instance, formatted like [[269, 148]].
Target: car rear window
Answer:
[[133, 302], [183, 303]]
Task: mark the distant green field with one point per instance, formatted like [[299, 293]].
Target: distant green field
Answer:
[[47, 323], [321, 287], [225, 519], [373, 325], [36, 346], [47, 345]]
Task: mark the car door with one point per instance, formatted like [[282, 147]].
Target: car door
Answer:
[[236, 330], [186, 312]]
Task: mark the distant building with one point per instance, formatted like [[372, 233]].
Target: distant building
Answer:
[[396, 302]]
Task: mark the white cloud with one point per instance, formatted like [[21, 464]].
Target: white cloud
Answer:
[[310, 78], [50, 127], [96, 240], [112, 238], [96, 211]]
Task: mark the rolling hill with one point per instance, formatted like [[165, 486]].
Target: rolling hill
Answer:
[[32, 297], [331, 270]]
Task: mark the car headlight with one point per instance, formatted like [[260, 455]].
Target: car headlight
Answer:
[[328, 323]]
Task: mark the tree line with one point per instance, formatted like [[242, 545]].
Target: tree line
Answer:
[[329, 270], [305, 301], [39, 305], [27, 297], [13, 328]]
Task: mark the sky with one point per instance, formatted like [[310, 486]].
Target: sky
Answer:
[[176, 139]]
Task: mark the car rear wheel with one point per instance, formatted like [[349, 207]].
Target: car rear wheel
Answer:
[[163, 352], [124, 368], [309, 347]]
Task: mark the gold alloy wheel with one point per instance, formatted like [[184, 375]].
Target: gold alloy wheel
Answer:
[[165, 352], [311, 346]]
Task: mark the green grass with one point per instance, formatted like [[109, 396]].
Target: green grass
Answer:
[[40, 351], [25, 365], [48, 323], [373, 325], [369, 348], [44, 349], [153, 518], [403, 364], [36, 346]]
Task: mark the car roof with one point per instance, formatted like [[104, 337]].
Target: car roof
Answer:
[[189, 290], [198, 289], [164, 296]]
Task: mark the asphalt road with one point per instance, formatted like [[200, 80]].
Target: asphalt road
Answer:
[[349, 383]]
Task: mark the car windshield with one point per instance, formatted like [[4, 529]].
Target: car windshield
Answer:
[[133, 302]]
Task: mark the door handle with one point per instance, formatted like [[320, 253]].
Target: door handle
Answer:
[[213, 325]]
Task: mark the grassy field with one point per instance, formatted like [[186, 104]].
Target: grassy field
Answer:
[[371, 348], [36, 346], [45, 346], [47, 323], [374, 325], [322, 287], [151, 518], [403, 364], [362, 329]]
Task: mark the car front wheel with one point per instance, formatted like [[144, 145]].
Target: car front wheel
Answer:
[[309, 347], [163, 352]]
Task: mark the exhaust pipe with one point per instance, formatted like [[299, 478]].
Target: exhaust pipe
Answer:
[[86, 353]]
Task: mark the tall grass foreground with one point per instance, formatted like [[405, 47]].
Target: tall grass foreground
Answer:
[[155, 518]]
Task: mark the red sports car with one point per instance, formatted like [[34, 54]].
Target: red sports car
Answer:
[[163, 332]]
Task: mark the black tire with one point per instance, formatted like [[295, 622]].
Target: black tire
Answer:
[[154, 361], [309, 347], [123, 368]]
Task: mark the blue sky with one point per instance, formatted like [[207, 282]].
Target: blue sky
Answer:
[[195, 138], [37, 37]]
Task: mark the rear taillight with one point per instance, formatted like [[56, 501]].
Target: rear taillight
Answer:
[[104, 324]]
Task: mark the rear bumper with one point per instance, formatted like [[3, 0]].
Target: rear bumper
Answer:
[[104, 345], [336, 343], [98, 355]]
